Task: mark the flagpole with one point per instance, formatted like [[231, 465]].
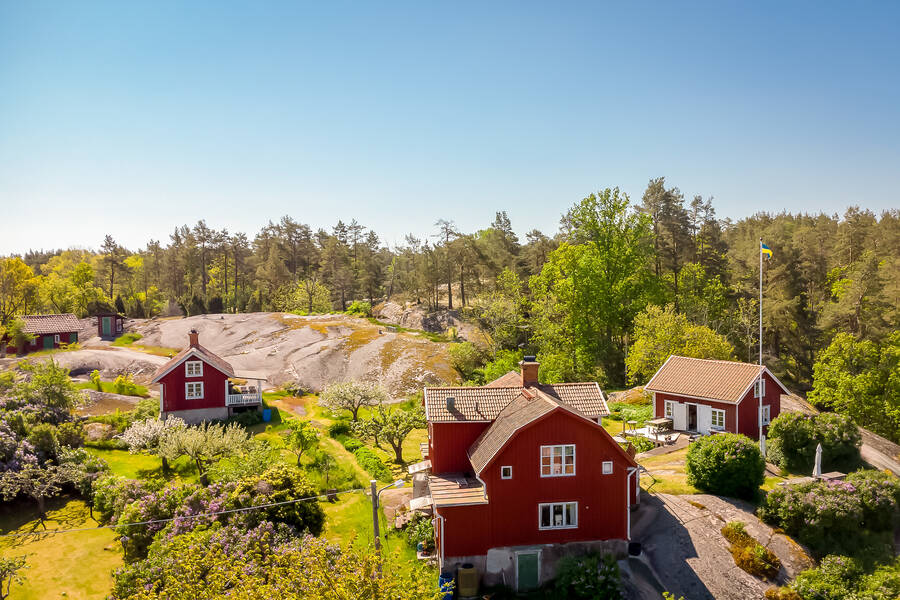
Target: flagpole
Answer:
[[759, 413]]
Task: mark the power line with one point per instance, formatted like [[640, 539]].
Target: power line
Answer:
[[197, 516]]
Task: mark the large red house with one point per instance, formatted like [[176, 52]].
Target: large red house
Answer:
[[523, 473], [706, 396], [49, 331], [197, 385]]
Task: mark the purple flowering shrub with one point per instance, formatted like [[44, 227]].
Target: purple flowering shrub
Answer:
[[793, 438], [847, 517], [728, 464]]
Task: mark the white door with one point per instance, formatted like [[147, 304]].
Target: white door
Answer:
[[704, 418], [680, 420]]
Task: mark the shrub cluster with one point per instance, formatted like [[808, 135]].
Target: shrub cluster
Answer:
[[853, 517], [359, 309], [793, 438], [339, 429], [352, 444], [750, 555], [370, 461], [728, 464], [841, 577], [420, 529], [592, 576]]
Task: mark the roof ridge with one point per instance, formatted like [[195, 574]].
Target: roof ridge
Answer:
[[719, 360]]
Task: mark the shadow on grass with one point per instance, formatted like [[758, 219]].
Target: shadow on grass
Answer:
[[21, 518]]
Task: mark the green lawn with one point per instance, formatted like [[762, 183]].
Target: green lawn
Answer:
[[138, 466], [110, 388], [75, 566]]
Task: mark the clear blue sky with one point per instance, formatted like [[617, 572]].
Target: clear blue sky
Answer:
[[134, 117]]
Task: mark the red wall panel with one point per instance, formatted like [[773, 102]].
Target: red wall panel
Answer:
[[730, 409], [214, 385], [449, 444]]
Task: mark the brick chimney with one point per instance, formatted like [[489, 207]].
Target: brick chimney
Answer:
[[194, 337], [529, 371]]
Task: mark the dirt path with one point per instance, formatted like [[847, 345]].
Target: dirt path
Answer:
[[685, 546]]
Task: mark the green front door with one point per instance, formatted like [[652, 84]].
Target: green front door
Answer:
[[48, 342], [527, 571], [107, 326]]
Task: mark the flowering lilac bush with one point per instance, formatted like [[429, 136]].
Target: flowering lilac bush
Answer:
[[728, 464], [836, 516], [793, 438]]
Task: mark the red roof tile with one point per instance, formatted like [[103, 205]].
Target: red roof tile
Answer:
[[213, 359], [722, 380]]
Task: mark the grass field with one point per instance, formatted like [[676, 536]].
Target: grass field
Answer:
[[137, 466], [74, 566], [110, 388]]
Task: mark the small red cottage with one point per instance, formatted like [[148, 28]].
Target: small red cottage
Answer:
[[197, 385], [110, 325], [707, 396], [522, 474], [49, 331]]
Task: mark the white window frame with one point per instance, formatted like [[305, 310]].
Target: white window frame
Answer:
[[34, 340], [195, 365], [713, 424], [759, 383], [669, 409], [551, 505], [506, 472], [607, 467], [562, 455], [56, 338], [765, 415], [188, 395]]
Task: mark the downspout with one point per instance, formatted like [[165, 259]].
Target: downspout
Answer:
[[443, 541], [631, 471]]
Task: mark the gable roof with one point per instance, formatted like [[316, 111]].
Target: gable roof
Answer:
[[41, 324], [197, 351], [724, 380], [511, 379], [485, 403], [530, 406]]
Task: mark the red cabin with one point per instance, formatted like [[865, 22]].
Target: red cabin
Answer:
[[197, 385], [522, 474], [708, 396], [110, 325], [49, 331]]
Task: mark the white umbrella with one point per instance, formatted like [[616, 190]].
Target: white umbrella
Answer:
[[817, 469]]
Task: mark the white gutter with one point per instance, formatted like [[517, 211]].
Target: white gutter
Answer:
[[631, 471]]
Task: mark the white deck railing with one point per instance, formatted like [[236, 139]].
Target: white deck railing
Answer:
[[243, 399]]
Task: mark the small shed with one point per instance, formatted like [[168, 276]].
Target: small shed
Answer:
[[49, 332], [110, 325]]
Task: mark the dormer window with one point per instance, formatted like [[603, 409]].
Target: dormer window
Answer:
[[558, 461], [193, 368], [759, 388]]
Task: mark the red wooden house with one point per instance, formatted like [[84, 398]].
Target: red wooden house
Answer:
[[197, 385], [110, 325], [523, 473], [707, 396], [49, 331]]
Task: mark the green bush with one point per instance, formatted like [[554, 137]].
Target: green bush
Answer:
[[750, 555], [420, 529], [43, 437], [793, 438], [339, 428], [728, 464], [590, 576], [247, 418], [352, 445], [146, 408], [782, 593], [124, 384], [95, 380], [373, 465], [623, 411], [70, 435], [359, 309]]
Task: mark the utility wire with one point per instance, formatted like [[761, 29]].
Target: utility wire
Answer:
[[197, 516]]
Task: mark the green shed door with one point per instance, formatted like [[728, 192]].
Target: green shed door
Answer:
[[107, 326], [48, 342], [527, 571], [73, 337]]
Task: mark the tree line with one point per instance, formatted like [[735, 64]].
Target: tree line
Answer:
[[571, 296]]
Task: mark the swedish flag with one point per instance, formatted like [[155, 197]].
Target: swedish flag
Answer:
[[767, 252]]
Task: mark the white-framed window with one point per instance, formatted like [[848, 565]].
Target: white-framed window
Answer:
[[34, 340], [607, 467], [506, 472], [765, 415], [718, 419], [558, 515], [759, 388], [670, 409], [193, 390], [193, 368], [56, 338], [558, 461]]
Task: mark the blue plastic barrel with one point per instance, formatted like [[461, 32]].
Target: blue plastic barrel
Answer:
[[267, 415], [445, 585]]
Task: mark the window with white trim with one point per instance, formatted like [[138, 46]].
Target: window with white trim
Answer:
[[558, 515], [607, 467], [56, 338], [506, 472], [558, 461], [193, 368], [670, 409], [765, 415], [759, 388], [718, 419], [193, 390]]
